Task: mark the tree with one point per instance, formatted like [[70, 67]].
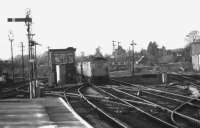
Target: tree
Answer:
[[82, 54], [187, 52], [152, 49], [192, 36], [98, 52], [153, 53], [163, 51], [143, 52]]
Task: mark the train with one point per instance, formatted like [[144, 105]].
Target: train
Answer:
[[94, 70]]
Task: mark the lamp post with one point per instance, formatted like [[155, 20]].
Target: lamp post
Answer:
[[11, 39], [133, 62]]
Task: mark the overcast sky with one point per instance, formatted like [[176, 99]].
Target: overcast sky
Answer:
[[87, 24]]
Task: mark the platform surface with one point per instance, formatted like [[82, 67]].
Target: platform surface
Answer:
[[38, 113]]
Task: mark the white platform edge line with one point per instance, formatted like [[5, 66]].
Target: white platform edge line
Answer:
[[75, 114]]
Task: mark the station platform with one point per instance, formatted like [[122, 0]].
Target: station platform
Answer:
[[47, 112]]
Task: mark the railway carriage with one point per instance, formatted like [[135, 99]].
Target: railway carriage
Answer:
[[95, 70]]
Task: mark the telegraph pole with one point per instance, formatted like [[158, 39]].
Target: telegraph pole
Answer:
[[48, 56], [22, 49], [118, 44], [10, 36], [35, 64], [35, 69], [133, 62], [113, 50], [113, 44], [35, 44], [129, 58]]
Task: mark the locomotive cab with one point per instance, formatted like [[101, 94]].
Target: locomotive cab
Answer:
[[95, 70]]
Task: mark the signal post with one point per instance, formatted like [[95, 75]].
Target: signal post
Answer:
[[31, 64]]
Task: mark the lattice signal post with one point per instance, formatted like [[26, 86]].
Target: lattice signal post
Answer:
[[31, 66], [133, 61]]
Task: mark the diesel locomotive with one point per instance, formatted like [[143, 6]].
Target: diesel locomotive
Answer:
[[94, 70]]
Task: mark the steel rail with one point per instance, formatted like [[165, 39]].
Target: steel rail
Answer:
[[140, 110], [74, 112], [174, 112], [22, 90], [168, 98], [189, 80], [146, 91], [166, 92], [177, 100], [182, 115], [55, 94], [145, 101], [100, 110], [149, 102], [191, 104], [157, 105], [14, 91], [185, 76], [139, 102]]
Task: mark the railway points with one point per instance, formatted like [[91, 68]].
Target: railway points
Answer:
[[133, 111], [120, 104], [89, 113], [68, 90], [182, 114]]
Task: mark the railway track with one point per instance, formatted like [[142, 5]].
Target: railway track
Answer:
[[154, 90], [19, 90], [134, 113], [117, 112], [185, 79], [84, 108], [152, 109], [164, 95], [90, 114], [182, 120], [124, 107], [188, 111]]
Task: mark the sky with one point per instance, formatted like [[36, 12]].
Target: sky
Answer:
[[87, 24]]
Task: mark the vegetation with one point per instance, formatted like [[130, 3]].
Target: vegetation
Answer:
[[151, 56]]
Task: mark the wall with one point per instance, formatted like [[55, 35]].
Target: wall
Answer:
[[195, 51], [195, 62]]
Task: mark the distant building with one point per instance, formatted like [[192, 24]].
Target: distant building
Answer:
[[195, 53]]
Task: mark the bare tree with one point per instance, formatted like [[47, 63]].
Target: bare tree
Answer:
[[98, 52], [192, 36]]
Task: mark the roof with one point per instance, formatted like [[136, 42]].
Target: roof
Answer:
[[63, 50], [98, 58]]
